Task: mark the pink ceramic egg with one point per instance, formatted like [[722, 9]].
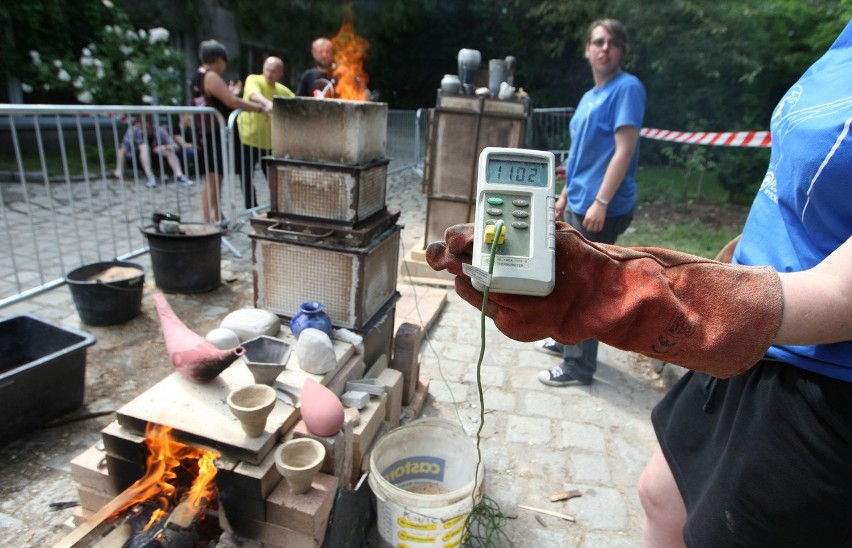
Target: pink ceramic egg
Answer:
[[321, 409]]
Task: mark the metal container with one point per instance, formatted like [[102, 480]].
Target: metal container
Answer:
[[353, 283], [332, 192], [328, 130], [301, 230]]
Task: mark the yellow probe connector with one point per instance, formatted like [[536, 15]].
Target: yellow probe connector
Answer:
[[489, 234]]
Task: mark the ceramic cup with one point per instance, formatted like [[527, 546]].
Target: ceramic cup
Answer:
[[299, 460], [252, 405]]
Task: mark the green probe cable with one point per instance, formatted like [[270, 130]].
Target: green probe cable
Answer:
[[486, 514]]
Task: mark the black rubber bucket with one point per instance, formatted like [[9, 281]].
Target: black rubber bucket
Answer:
[[102, 299], [188, 261]]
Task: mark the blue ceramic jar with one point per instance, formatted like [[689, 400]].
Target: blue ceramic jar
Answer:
[[311, 314]]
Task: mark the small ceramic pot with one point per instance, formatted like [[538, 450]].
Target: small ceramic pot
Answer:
[[311, 314], [450, 83], [266, 357], [298, 461], [252, 405]]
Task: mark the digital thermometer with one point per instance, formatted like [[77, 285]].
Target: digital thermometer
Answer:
[[515, 186]]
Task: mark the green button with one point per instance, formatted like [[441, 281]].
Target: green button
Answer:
[[495, 201]]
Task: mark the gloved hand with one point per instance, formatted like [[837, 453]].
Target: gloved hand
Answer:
[[701, 314]]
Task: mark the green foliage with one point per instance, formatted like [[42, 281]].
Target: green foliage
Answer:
[[741, 171], [105, 61]]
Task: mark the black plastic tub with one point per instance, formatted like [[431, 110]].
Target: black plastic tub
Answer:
[[188, 261], [106, 302], [42, 373]]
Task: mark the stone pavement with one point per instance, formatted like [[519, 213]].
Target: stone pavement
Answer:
[[536, 440]]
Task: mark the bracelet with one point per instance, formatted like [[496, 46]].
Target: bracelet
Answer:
[[602, 201]]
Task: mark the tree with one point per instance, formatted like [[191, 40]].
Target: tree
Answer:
[[104, 61]]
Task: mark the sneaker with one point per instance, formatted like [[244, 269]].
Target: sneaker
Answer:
[[182, 180], [152, 182], [557, 376], [549, 346]]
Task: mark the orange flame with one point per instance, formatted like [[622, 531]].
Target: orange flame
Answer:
[[349, 52], [168, 457]]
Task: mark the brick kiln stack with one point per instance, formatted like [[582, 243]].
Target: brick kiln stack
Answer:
[[329, 236]]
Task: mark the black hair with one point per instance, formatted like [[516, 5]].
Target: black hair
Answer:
[[211, 50]]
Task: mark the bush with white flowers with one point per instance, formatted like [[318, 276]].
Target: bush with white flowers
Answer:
[[121, 66]]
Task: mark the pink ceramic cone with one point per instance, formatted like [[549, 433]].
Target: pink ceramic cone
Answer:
[[321, 409], [192, 355]]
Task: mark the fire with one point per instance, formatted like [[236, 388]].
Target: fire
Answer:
[[167, 462], [349, 51]]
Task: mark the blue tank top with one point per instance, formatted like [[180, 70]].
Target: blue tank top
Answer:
[[803, 210]]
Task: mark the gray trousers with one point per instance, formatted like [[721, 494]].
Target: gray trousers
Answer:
[[581, 360]]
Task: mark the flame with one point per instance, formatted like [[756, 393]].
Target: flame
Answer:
[[349, 51], [166, 459]]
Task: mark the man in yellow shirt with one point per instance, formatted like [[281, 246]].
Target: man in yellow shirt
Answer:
[[255, 128]]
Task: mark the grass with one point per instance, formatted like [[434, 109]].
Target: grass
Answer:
[[684, 213]]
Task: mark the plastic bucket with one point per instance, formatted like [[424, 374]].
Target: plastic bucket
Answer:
[[102, 299], [423, 477], [188, 261]]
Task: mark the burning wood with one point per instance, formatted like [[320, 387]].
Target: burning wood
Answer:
[[165, 507]]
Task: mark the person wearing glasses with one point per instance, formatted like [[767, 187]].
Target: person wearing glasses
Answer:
[[600, 185]]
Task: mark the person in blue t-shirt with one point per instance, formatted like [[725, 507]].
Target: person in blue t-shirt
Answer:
[[755, 441], [600, 173]]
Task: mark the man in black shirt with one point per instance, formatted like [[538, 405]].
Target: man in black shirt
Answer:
[[319, 81]]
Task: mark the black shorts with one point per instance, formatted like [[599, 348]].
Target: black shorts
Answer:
[[761, 459], [211, 154]]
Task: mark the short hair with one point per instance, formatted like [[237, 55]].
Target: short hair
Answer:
[[211, 50], [614, 27]]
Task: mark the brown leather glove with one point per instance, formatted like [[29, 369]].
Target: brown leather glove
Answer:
[[701, 314]]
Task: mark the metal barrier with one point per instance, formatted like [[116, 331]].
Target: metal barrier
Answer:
[[61, 206], [548, 130]]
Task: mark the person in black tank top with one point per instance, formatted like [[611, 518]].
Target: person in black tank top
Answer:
[[209, 89]]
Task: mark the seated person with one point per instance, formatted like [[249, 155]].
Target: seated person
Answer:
[[142, 138], [183, 138]]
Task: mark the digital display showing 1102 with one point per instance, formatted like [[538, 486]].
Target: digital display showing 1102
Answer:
[[512, 172]]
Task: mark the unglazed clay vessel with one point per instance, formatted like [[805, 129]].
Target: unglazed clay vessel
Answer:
[[193, 356], [252, 405], [298, 461], [266, 357], [321, 409]]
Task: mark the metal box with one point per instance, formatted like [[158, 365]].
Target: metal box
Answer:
[[301, 230], [333, 192], [328, 130], [441, 214], [378, 332], [352, 283], [42, 373], [459, 128]]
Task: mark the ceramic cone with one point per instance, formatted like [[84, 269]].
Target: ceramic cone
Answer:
[[192, 355], [321, 409]]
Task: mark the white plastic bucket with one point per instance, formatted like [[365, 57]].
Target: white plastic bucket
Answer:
[[423, 477]]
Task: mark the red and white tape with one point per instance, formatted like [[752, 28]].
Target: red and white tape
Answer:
[[727, 138]]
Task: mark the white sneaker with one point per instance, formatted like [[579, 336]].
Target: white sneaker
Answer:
[[152, 182], [549, 346]]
